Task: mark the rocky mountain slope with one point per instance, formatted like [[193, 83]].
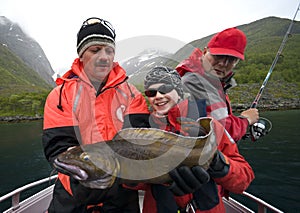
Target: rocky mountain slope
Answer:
[[27, 49]]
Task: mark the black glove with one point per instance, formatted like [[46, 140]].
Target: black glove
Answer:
[[192, 127], [219, 166], [187, 180]]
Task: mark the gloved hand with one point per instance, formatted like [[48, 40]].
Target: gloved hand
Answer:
[[219, 167], [187, 180], [104, 182], [258, 130], [192, 127]]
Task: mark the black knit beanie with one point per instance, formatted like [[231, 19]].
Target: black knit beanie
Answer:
[[164, 75], [95, 31]]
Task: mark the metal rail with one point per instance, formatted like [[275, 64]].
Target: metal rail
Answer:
[[262, 205], [15, 195], [231, 204]]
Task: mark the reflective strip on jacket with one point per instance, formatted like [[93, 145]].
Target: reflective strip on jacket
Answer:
[[74, 106]]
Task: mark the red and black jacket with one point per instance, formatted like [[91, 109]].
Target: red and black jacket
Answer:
[[201, 86], [76, 114]]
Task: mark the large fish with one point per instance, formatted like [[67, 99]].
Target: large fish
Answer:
[[137, 155]]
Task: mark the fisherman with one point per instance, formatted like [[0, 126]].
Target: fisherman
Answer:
[[191, 188], [91, 103], [209, 74]]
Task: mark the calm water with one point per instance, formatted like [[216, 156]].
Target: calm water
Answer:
[[274, 158], [276, 161]]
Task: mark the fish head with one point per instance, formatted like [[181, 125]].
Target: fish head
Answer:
[[85, 163]]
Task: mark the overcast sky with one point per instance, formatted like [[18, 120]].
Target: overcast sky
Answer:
[[54, 24]]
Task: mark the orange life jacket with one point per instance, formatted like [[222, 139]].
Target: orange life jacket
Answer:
[[74, 103]]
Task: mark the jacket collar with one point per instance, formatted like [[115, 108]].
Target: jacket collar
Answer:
[[116, 75]]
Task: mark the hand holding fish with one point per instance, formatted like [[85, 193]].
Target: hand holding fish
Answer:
[[187, 180], [219, 166], [138, 155]]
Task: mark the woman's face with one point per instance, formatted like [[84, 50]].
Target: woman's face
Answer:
[[164, 99]]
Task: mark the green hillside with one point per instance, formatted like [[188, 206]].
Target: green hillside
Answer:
[[22, 91], [264, 39]]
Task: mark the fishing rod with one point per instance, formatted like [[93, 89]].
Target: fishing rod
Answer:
[[258, 129], [255, 102]]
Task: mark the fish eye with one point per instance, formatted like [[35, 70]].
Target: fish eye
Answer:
[[84, 156]]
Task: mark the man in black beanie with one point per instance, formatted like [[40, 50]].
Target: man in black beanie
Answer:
[[90, 104]]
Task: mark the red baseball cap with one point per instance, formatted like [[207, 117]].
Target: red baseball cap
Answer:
[[231, 41]]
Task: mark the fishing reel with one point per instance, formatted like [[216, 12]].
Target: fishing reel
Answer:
[[259, 129]]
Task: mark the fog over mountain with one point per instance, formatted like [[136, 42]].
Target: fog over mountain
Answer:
[[27, 49]]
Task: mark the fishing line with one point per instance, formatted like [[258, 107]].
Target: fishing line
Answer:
[[263, 121], [288, 34]]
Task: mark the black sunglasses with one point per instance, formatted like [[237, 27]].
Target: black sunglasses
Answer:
[[163, 89], [228, 59]]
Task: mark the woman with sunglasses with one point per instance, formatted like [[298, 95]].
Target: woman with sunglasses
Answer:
[[164, 91], [208, 74], [192, 188], [91, 103]]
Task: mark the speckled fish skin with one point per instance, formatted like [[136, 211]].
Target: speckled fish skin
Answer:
[[138, 155]]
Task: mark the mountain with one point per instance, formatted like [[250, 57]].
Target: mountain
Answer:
[[16, 76], [26, 49], [264, 36], [138, 66], [26, 74]]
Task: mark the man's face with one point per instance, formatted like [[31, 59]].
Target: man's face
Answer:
[[98, 62], [218, 65]]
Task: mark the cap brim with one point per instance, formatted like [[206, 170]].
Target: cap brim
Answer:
[[223, 51]]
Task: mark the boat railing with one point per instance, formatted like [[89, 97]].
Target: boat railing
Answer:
[[262, 206], [15, 194]]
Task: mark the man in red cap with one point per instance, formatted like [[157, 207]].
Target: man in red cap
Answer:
[[208, 75]]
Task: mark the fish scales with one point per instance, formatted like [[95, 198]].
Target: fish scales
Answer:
[[138, 155]]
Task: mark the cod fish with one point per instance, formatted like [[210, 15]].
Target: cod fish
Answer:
[[138, 155]]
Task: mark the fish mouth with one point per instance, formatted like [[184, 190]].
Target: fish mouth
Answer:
[[71, 170]]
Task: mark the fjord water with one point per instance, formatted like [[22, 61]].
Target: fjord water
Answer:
[[275, 159], [21, 156]]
